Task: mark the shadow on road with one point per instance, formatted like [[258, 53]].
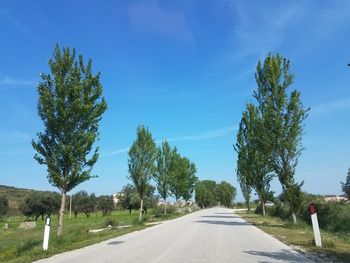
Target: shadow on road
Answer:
[[283, 255], [223, 213], [115, 242], [225, 223], [218, 216]]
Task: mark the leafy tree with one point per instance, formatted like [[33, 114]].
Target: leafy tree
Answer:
[[225, 193], [189, 170], [162, 175], [38, 204], [253, 154], [142, 155], [105, 204], [283, 116], [346, 186], [4, 206], [176, 182], [84, 203], [205, 193], [70, 106]]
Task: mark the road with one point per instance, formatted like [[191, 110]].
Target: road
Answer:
[[211, 235]]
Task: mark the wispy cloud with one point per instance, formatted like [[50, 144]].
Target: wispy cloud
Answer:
[[15, 82], [332, 106], [221, 132], [151, 18]]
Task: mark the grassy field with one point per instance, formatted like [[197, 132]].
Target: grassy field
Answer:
[[335, 246], [18, 245]]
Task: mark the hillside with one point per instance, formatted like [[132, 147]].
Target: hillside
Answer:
[[15, 196]]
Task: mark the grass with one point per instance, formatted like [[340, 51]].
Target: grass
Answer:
[[335, 245], [19, 245]]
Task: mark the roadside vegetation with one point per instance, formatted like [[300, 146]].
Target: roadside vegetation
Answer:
[[334, 230], [25, 245]]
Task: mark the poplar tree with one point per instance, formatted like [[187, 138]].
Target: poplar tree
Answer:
[[162, 175], [283, 115], [141, 162], [71, 106], [254, 154]]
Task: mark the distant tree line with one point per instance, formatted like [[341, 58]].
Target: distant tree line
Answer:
[[208, 193]]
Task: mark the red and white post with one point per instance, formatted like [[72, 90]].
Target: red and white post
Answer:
[[46, 233], [315, 227]]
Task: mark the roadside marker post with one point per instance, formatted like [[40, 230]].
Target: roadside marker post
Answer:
[[46, 233], [315, 227]]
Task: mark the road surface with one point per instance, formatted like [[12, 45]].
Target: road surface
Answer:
[[211, 235]]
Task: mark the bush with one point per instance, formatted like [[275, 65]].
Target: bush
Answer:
[[158, 211], [332, 216]]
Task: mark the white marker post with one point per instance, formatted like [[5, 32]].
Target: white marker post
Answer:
[[47, 233], [315, 226]]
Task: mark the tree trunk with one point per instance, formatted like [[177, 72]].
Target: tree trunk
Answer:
[[164, 206], [294, 217], [61, 215], [141, 207], [263, 208]]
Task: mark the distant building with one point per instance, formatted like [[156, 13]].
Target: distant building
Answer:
[[335, 198]]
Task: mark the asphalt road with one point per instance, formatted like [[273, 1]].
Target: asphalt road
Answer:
[[211, 235]]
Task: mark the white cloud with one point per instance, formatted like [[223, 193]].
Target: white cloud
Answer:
[[221, 132], [12, 81], [332, 106]]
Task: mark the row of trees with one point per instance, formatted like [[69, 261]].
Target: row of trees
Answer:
[[38, 204], [208, 193], [269, 136], [174, 175], [4, 206]]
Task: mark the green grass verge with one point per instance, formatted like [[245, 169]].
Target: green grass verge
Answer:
[[335, 245], [19, 245]]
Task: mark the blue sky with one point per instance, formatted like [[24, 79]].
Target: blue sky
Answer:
[[186, 70]]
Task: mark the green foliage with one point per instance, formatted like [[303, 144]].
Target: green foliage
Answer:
[[38, 204], [205, 193], [4, 206], [294, 196], [105, 204], [182, 176], [282, 118], [254, 167], [162, 175], [141, 162], [225, 193], [82, 202], [346, 186], [70, 106]]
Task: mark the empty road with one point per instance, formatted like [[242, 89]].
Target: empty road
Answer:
[[211, 235]]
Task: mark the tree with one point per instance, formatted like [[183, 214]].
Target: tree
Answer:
[[176, 179], [70, 106], [254, 154], [162, 175], [205, 193], [242, 179], [84, 203], [105, 204], [4, 206], [283, 116], [225, 193], [346, 186], [189, 170], [38, 204], [142, 155]]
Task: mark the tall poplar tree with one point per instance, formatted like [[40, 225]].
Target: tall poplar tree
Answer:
[[283, 116], [141, 162], [254, 154], [71, 106], [162, 175]]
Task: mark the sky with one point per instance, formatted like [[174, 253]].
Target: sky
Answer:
[[185, 69]]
